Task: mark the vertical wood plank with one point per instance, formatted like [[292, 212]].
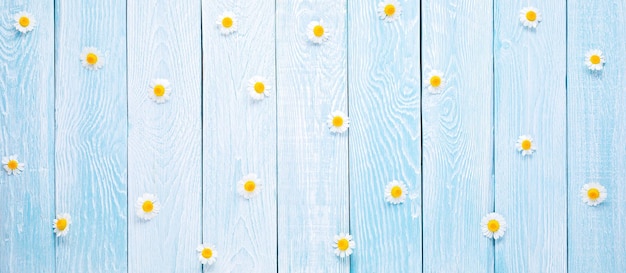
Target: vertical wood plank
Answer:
[[384, 94], [27, 130], [457, 135], [596, 130], [90, 150], [164, 140], [531, 194], [313, 198], [239, 136]]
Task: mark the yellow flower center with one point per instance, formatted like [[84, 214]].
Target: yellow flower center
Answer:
[[396, 191], [92, 58], [493, 225], [435, 81], [24, 21], [147, 206], [531, 16], [390, 10], [318, 31], [62, 224], [594, 59], [526, 144], [337, 121], [207, 253], [12, 164], [343, 244], [249, 186], [159, 90], [227, 22], [259, 87], [593, 193]]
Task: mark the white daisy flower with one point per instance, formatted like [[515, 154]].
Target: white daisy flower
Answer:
[[389, 10], [91, 58], [317, 32], [343, 245], [147, 206], [338, 122], [61, 224], [160, 90], [258, 88], [24, 22], [525, 145], [227, 23], [249, 186], [593, 194], [493, 225], [435, 82], [12, 165], [594, 59], [395, 192], [530, 17], [206, 254]]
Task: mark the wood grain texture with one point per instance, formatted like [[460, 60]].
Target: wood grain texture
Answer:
[[596, 130], [457, 135], [531, 191], [313, 198], [90, 149], [384, 95], [27, 130], [239, 136], [165, 140]]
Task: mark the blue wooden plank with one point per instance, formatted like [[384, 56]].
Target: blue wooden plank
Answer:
[[165, 139], [27, 130], [384, 95], [313, 199], [457, 135], [596, 131], [90, 149], [239, 136], [531, 191]]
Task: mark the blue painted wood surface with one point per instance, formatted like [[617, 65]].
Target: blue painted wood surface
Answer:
[[239, 136], [385, 137], [165, 139], [457, 135], [530, 191], [596, 130], [83, 134], [27, 130], [91, 138]]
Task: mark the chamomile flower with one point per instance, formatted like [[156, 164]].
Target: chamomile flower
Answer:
[[24, 22], [147, 206], [160, 90], [389, 10], [61, 224], [493, 225], [227, 23], [593, 194], [395, 192], [530, 17], [206, 254], [435, 82], [258, 88], [12, 165], [525, 145], [594, 59], [249, 186], [91, 58], [338, 122], [317, 32], [343, 245]]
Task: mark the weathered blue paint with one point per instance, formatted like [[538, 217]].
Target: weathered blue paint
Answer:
[[27, 130]]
